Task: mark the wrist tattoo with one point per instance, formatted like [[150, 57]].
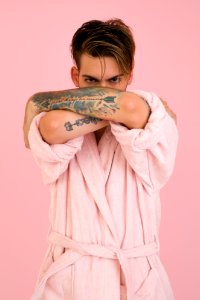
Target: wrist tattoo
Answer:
[[80, 122]]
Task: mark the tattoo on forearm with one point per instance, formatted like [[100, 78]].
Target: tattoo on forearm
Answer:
[[80, 122], [106, 106], [87, 101]]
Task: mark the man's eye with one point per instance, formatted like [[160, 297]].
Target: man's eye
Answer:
[[115, 80], [90, 80]]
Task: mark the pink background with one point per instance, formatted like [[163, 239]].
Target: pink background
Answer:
[[35, 57]]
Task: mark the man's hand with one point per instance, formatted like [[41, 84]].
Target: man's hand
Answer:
[[30, 112], [169, 111]]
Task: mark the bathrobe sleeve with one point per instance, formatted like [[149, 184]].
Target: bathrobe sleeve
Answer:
[[150, 151], [53, 160]]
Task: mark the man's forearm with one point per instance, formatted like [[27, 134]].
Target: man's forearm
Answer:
[[96, 101], [104, 103], [59, 126], [101, 103]]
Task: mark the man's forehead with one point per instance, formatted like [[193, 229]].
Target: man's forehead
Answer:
[[98, 66]]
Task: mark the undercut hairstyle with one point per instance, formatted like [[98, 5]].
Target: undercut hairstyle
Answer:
[[111, 38]]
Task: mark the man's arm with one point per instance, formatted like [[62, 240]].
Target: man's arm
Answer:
[[102, 103], [59, 126]]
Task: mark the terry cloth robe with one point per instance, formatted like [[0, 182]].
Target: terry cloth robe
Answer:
[[105, 210]]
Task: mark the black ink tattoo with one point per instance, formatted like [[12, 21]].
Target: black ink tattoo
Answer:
[[80, 122]]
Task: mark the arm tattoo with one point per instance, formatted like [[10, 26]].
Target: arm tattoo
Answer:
[[80, 122], [86, 101]]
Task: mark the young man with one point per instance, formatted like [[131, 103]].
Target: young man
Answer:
[[105, 154]]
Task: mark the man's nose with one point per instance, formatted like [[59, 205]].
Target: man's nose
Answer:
[[103, 84]]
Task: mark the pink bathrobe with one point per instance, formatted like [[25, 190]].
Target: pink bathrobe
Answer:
[[105, 211]]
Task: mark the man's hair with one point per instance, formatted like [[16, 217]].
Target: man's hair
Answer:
[[112, 38]]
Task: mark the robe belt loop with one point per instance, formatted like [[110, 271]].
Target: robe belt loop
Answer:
[[122, 255]]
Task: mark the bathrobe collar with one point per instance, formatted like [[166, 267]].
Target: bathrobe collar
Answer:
[[97, 172]]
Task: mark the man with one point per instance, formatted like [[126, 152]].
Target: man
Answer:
[[105, 153]]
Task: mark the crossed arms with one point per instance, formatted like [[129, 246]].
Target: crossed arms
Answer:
[[75, 112]]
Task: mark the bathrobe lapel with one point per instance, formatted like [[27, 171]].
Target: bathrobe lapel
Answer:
[[96, 173], [107, 147]]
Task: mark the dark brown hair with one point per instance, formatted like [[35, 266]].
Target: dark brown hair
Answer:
[[111, 38]]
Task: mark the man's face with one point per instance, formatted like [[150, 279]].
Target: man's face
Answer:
[[104, 72]]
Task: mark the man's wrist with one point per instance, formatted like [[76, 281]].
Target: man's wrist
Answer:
[[39, 102], [32, 107]]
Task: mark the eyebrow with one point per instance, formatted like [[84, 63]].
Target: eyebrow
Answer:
[[91, 77]]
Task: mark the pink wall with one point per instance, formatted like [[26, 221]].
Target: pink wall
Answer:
[[35, 57]]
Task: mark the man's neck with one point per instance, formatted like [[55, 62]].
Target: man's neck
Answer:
[[99, 133]]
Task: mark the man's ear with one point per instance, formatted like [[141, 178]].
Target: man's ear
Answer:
[[74, 76]]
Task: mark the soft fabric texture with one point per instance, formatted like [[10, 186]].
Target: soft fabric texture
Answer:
[[105, 210]]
